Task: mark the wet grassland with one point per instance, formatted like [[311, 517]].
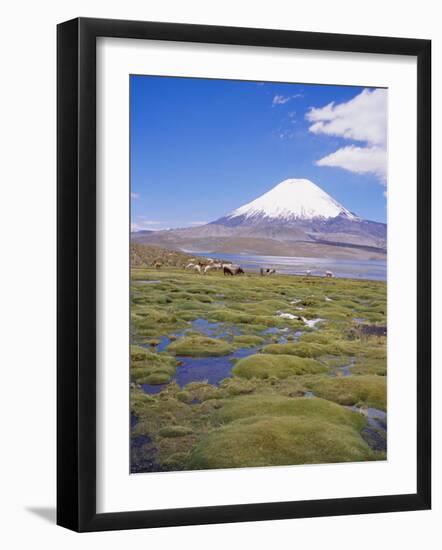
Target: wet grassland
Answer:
[[255, 371]]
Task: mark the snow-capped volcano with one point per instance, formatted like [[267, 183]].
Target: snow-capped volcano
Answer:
[[295, 218], [290, 200]]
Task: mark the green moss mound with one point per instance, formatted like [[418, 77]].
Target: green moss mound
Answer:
[[156, 378], [280, 366], [275, 441], [151, 368], [237, 386], [184, 396], [301, 350], [201, 391], [200, 346], [277, 405], [138, 353], [370, 366], [139, 400], [367, 390], [247, 341], [315, 349], [231, 316]]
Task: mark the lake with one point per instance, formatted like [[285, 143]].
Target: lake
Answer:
[[292, 265]]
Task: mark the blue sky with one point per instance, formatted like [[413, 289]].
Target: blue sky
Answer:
[[201, 148]]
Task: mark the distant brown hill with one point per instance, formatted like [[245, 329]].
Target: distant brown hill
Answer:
[[142, 255], [177, 242]]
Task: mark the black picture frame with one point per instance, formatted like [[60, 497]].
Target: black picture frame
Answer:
[[76, 274]]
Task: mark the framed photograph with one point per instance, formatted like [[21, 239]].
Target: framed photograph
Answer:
[[243, 274]]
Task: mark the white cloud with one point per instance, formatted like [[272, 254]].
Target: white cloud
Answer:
[[364, 119], [361, 160], [134, 195], [197, 223], [282, 100], [286, 134]]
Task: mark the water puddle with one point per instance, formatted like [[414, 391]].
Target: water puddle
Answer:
[[373, 330], [142, 452], [375, 433], [345, 370], [207, 328], [153, 388], [272, 330], [164, 342], [215, 330], [210, 369], [284, 335]]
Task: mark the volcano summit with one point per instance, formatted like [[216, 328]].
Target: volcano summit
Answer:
[[290, 201]]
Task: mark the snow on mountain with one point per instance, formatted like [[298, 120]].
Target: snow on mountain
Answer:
[[290, 200]]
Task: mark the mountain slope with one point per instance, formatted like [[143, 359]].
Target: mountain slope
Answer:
[[290, 201], [296, 217]]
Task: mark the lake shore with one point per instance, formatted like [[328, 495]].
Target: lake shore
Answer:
[[293, 265]]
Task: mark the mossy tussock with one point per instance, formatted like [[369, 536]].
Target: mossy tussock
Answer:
[[148, 367], [363, 390], [264, 365], [247, 341], [367, 365], [277, 405], [279, 440], [200, 346], [201, 391], [138, 401], [236, 386], [314, 349], [184, 396]]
